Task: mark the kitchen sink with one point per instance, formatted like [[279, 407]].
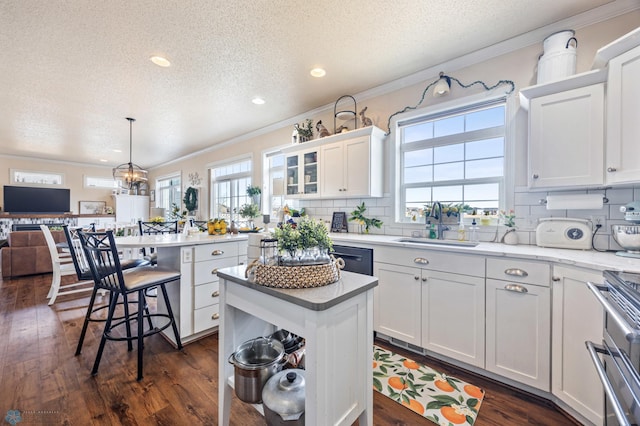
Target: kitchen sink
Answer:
[[428, 242]]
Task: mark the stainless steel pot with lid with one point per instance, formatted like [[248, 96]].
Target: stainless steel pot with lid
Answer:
[[283, 398], [255, 361]]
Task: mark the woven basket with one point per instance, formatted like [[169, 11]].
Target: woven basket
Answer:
[[308, 276]]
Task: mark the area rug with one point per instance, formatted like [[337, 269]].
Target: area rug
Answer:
[[437, 397]]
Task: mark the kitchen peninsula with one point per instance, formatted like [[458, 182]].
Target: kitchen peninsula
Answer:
[[337, 323], [198, 257]]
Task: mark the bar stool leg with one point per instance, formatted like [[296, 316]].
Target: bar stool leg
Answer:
[[141, 311], [103, 340], [86, 320], [127, 323], [170, 313]]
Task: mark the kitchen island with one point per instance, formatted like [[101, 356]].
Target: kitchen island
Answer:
[[198, 257], [337, 323]]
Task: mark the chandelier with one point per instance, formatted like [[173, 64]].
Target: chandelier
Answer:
[[129, 175]]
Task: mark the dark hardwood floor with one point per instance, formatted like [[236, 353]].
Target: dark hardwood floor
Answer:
[[41, 377]]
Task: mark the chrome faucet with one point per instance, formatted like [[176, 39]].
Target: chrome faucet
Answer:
[[436, 213]]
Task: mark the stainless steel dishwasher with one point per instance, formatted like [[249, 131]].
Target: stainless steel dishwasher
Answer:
[[356, 259]]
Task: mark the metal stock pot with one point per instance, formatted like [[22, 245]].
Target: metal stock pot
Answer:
[[284, 397], [255, 361]]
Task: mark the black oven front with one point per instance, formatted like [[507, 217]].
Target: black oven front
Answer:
[[617, 359]]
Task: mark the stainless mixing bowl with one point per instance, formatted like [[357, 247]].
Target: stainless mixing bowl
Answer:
[[627, 237]]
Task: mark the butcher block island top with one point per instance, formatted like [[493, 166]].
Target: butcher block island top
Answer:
[[336, 322]]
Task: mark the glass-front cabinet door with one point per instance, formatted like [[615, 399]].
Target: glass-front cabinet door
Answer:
[[302, 174]]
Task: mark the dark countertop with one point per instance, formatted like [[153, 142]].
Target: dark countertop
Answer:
[[316, 299]]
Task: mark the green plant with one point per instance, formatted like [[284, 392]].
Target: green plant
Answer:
[[358, 216], [449, 210], [253, 190], [306, 130], [288, 238], [313, 234], [249, 211], [508, 217], [176, 214]]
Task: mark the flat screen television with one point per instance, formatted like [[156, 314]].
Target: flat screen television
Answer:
[[26, 199]]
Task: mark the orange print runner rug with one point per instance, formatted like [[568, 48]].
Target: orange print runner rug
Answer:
[[437, 397]]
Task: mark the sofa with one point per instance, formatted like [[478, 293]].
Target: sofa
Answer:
[[26, 253]]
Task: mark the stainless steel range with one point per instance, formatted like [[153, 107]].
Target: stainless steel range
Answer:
[[619, 369]]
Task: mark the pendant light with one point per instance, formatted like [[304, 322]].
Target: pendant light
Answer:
[[129, 175]]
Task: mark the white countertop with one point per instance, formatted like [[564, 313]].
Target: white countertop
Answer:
[[176, 240], [590, 259]]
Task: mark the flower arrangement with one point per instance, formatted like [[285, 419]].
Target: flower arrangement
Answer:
[[358, 216], [249, 211], [508, 217]]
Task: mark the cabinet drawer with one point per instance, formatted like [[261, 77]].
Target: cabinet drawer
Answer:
[[206, 295], [215, 251], [432, 260], [204, 272], [206, 318], [519, 271]]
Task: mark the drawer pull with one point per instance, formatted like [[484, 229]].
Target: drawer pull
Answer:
[[215, 316], [516, 288], [416, 278], [611, 169], [555, 279], [516, 272], [424, 279], [217, 253], [215, 294], [214, 271], [421, 261]]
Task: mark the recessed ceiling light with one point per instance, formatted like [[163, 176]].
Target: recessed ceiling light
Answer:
[[258, 101], [160, 61], [318, 72], [117, 150], [102, 160]]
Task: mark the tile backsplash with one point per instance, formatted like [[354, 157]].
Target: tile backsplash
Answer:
[[527, 205]]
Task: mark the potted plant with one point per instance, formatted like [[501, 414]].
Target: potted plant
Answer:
[[254, 193], [358, 216], [509, 220], [249, 211], [305, 132], [288, 242]]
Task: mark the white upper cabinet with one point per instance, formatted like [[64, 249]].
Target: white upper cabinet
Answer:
[[347, 165], [623, 122], [566, 138]]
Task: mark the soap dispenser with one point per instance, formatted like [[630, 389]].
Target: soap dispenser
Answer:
[[474, 231], [461, 232]]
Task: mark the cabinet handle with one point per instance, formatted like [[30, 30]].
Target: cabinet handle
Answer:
[[416, 278], [556, 279], [217, 252], [611, 169], [535, 176], [421, 261], [516, 272], [215, 294], [214, 271], [215, 316], [424, 279], [516, 288]]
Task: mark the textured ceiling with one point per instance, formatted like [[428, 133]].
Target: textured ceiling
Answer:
[[71, 71]]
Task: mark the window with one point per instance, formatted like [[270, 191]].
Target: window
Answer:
[[100, 182], [455, 157], [229, 184], [273, 168], [28, 177], [168, 192]]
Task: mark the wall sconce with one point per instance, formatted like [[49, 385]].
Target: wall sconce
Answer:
[[442, 86]]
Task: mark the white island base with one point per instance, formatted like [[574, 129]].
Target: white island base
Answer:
[[337, 324]]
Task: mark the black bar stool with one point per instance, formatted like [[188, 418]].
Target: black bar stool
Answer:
[[104, 262]]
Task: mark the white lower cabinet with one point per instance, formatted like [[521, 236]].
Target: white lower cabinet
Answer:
[[453, 316], [577, 317], [518, 316], [397, 302]]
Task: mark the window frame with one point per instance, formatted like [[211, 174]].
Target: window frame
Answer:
[[158, 190], [14, 173], [233, 216], [452, 107]]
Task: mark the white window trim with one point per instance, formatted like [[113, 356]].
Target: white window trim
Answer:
[[511, 105], [113, 186]]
